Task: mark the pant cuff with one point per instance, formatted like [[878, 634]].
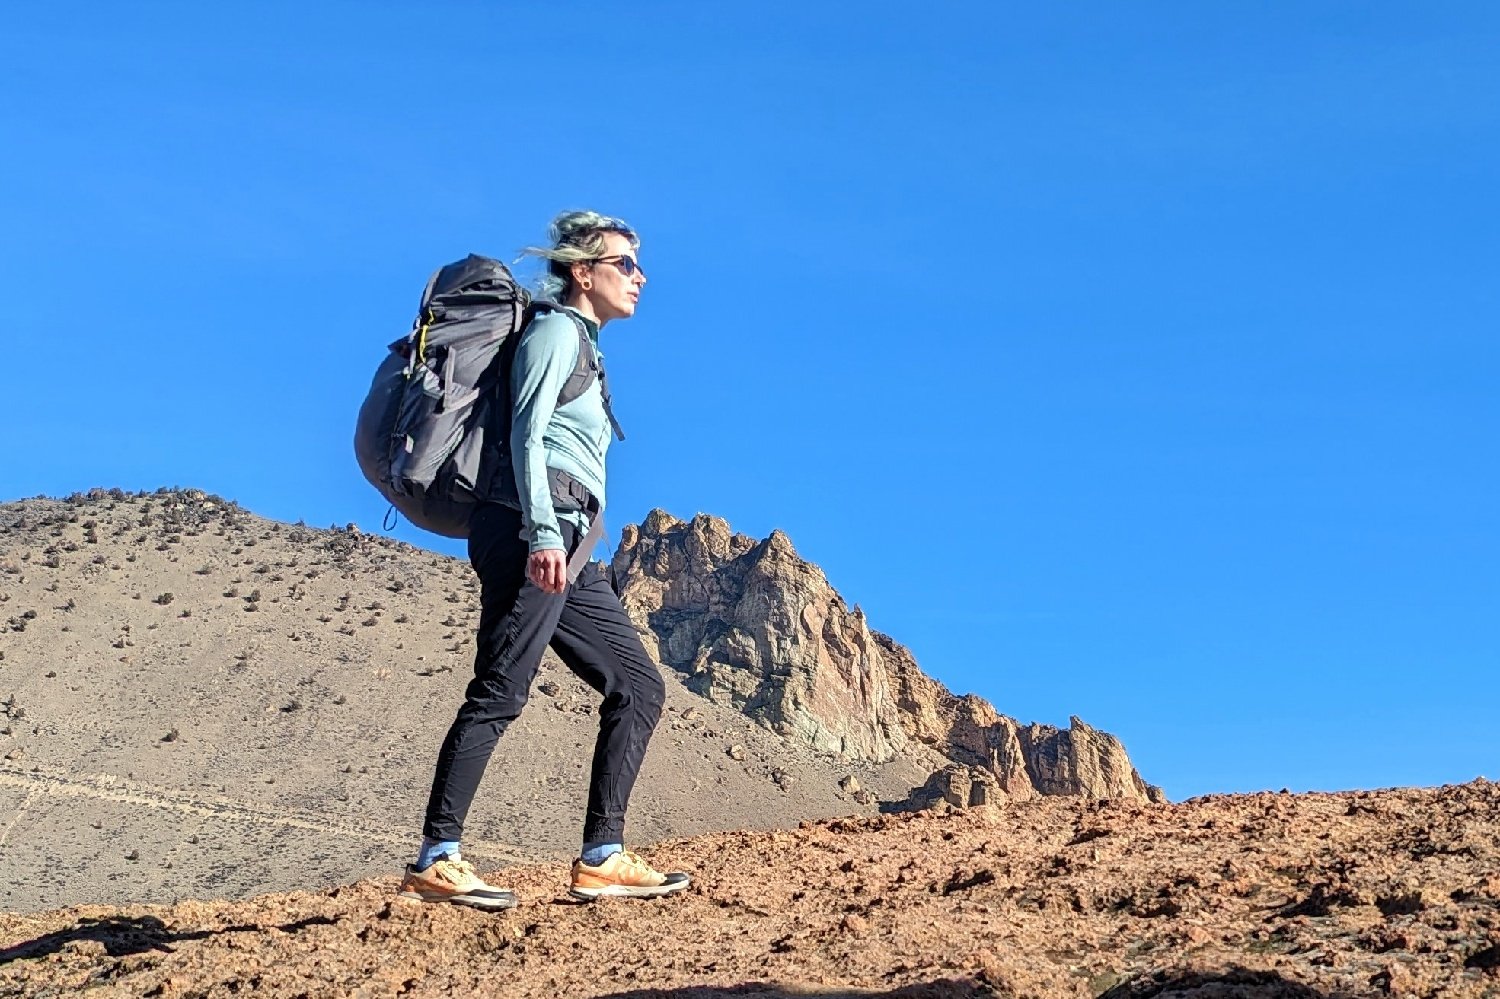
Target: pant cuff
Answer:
[[604, 830]]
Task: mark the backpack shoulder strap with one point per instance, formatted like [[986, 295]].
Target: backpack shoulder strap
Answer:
[[588, 369]]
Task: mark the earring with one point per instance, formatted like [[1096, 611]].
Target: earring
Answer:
[[585, 285]]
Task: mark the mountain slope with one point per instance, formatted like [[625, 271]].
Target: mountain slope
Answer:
[[196, 701]]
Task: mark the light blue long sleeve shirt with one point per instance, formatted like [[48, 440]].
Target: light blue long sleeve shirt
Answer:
[[572, 438]]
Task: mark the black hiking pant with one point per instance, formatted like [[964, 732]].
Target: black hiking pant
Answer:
[[590, 632]]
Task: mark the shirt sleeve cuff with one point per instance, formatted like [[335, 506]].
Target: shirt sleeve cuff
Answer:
[[545, 537]]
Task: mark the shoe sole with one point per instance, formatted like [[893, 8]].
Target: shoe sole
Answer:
[[626, 891], [492, 904]]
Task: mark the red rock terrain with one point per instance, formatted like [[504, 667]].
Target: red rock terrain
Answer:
[[1383, 893]]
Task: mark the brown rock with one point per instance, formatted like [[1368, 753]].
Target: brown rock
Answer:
[[755, 627]]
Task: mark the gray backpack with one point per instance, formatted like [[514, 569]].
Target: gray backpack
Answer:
[[432, 434]]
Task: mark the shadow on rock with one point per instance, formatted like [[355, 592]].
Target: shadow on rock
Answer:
[[118, 936], [946, 988], [1236, 983]]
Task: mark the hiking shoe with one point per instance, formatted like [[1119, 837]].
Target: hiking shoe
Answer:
[[623, 875], [451, 879]]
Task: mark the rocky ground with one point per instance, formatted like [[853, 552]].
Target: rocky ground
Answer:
[[1388, 893]]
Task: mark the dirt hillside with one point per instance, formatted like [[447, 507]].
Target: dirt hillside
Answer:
[[1390, 893], [196, 702]]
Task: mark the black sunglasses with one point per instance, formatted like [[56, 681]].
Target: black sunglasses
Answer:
[[627, 265]]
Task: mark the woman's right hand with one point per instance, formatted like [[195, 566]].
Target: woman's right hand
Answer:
[[548, 569]]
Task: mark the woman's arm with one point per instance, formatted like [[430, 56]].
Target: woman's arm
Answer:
[[544, 360]]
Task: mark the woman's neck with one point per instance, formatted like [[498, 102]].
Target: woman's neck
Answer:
[[580, 304]]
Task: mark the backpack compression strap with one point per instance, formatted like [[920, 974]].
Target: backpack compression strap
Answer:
[[424, 320]]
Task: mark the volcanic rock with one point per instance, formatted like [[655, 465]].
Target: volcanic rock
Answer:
[[1262, 896], [753, 626]]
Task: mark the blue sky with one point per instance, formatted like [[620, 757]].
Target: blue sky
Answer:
[[1129, 361]]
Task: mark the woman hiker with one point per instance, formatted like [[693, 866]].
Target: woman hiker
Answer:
[[536, 590]]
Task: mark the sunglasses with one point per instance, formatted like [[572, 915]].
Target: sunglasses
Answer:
[[627, 265]]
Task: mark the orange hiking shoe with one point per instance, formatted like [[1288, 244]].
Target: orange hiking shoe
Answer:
[[451, 879], [623, 875]]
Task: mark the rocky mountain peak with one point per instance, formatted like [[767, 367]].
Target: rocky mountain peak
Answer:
[[754, 626]]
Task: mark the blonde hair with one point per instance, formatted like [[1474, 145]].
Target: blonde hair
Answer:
[[576, 236]]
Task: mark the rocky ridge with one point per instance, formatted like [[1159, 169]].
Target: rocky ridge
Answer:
[[753, 626]]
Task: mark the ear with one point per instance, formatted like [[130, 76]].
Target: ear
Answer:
[[581, 273]]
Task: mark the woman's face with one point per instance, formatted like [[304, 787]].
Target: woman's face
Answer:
[[616, 278]]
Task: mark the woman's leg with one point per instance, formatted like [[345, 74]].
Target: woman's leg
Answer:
[[598, 642], [516, 621]]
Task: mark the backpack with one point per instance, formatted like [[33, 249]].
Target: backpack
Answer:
[[433, 432]]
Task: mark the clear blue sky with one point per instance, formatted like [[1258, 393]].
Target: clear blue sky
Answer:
[[1133, 361]]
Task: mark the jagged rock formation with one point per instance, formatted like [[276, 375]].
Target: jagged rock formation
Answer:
[[956, 786], [754, 626]]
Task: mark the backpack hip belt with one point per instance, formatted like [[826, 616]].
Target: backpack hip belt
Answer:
[[568, 494]]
